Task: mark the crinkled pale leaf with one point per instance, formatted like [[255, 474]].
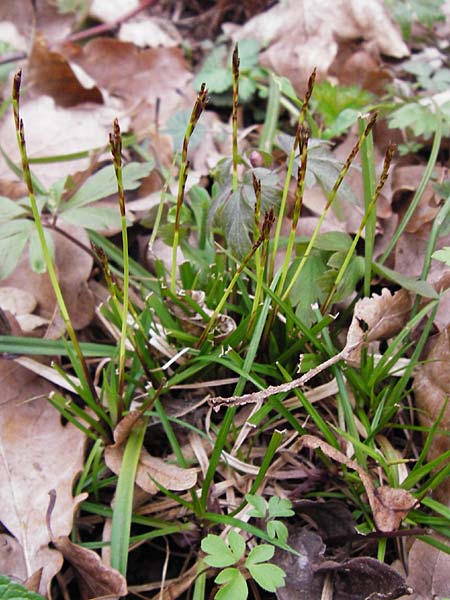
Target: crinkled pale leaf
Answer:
[[94, 578], [38, 454], [17, 301], [303, 34], [104, 183], [376, 318], [152, 468], [389, 505], [151, 32], [11, 590]]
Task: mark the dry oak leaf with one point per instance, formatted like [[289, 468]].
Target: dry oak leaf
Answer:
[[303, 34], [149, 467], [37, 454], [389, 505], [377, 318], [431, 391], [94, 578]]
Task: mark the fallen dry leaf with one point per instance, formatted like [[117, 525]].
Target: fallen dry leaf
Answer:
[[51, 130], [431, 391], [428, 571], [73, 266], [333, 518], [303, 34], [405, 181], [361, 578], [94, 578], [139, 77], [50, 74], [149, 467], [38, 455], [376, 318], [364, 578], [389, 505], [21, 304], [151, 32], [303, 580]]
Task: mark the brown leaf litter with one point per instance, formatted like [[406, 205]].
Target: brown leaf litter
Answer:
[[38, 454]]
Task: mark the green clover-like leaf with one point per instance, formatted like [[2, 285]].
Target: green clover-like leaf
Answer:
[[259, 505], [280, 507], [277, 530], [234, 585]]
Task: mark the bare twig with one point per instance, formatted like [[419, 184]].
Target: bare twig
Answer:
[[218, 401]]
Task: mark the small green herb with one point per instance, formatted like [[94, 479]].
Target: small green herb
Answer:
[[228, 556]]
